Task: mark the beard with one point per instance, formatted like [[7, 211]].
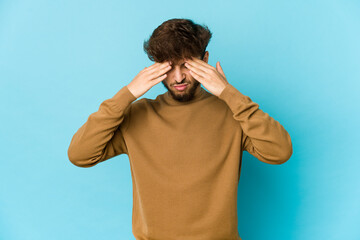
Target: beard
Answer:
[[186, 95]]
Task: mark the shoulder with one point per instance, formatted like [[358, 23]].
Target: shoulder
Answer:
[[143, 105]]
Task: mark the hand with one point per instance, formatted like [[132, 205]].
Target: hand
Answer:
[[213, 79], [148, 77]]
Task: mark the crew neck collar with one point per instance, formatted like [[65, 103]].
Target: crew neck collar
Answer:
[[199, 94]]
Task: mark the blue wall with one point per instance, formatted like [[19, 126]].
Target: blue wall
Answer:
[[300, 60]]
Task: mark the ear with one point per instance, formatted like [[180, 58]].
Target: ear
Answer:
[[206, 57]]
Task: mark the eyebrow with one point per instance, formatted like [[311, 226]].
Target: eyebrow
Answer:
[[180, 64], [177, 63]]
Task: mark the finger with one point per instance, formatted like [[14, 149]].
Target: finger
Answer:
[[202, 63], [159, 72], [157, 69], [159, 79], [151, 66], [198, 65], [197, 76], [196, 70], [220, 70], [157, 64]]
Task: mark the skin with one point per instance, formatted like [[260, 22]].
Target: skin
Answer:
[[190, 71], [179, 74], [212, 78]]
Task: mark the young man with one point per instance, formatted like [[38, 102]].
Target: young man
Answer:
[[184, 147]]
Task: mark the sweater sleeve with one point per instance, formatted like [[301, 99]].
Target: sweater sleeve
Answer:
[[100, 137], [264, 137]]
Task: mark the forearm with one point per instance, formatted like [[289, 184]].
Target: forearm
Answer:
[[264, 137], [91, 143]]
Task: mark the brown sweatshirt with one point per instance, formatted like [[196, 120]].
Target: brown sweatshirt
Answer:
[[185, 158]]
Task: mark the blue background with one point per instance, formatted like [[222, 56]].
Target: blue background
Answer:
[[299, 60]]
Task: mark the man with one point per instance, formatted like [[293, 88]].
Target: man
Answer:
[[184, 147]]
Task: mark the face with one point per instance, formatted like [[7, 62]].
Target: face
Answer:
[[179, 75]]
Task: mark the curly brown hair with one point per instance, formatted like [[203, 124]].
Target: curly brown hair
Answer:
[[176, 39]]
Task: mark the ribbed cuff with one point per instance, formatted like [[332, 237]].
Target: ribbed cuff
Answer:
[[233, 97], [121, 99]]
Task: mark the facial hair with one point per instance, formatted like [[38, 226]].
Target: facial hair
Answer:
[[186, 96]]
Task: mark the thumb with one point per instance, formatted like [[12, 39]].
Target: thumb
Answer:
[[219, 69]]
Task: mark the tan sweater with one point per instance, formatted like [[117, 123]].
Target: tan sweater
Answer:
[[185, 158]]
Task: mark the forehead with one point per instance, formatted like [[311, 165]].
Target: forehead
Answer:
[[181, 61]]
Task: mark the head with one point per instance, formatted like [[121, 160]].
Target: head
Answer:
[[176, 40]]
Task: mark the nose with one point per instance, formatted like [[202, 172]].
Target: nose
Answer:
[[179, 75]]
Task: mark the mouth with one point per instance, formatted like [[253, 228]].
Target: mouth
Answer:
[[180, 87]]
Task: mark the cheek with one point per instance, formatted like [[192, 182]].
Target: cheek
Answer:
[[166, 81], [186, 72], [189, 76]]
